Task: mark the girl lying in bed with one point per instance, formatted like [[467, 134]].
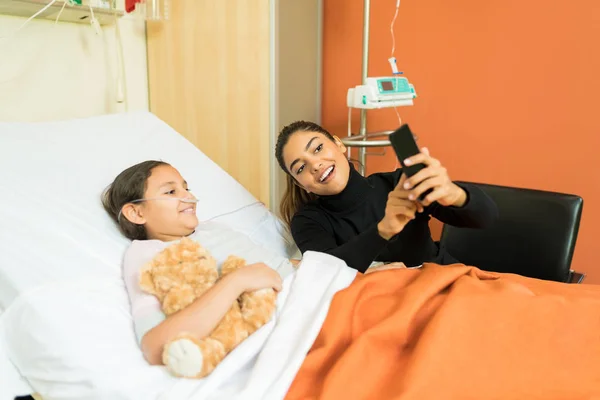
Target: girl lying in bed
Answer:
[[430, 333], [153, 206]]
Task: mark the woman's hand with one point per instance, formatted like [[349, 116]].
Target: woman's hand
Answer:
[[257, 276], [384, 267], [399, 211], [434, 176]]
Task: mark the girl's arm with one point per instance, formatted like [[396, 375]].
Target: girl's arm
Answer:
[[203, 315]]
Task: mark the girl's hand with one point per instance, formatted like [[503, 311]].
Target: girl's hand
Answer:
[[433, 176], [399, 211], [257, 276]]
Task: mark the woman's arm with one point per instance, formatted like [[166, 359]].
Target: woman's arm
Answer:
[[462, 206], [478, 210], [359, 252], [203, 315]]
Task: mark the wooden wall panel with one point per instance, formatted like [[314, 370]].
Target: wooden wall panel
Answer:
[[208, 71]]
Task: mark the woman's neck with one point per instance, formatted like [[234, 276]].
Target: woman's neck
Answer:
[[352, 195]]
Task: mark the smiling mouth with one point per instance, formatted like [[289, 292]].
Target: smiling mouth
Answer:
[[326, 174], [189, 210]]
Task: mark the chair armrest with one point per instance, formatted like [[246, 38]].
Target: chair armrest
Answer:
[[575, 277]]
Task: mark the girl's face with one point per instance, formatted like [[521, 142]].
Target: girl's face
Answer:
[[317, 163], [164, 217]]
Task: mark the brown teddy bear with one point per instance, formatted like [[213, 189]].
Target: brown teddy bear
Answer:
[[180, 274]]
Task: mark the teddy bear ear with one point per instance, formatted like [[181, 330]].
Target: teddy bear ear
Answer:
[[146, 281]]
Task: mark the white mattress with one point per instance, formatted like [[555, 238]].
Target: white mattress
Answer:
[[52, 225]]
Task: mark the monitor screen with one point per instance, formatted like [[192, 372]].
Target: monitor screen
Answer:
[[387, 85]]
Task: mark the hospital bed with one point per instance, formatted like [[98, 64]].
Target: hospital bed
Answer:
[[65, 326], [66, 330]]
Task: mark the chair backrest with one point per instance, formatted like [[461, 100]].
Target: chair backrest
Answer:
[[534, 236]]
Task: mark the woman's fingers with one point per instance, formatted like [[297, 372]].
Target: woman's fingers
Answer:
[[422, 158], [422, 175], [431, 183], [407, 211], [437, 194], [398, 194], [420, 207], [434, 177], [401, 182], [398, 212], [400, 201], [401, 196], [396, 265]]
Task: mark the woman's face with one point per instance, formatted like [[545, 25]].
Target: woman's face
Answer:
[[317, 163]]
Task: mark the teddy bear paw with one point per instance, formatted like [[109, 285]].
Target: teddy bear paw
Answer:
[[184, 358]]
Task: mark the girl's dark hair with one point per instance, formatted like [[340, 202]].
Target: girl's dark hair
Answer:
[[294, 196], [128, 186]]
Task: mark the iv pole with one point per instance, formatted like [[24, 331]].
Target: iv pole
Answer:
[[362, 150], [361, 141]]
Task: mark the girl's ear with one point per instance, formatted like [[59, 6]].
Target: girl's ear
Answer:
[[133, 214], [339, 144]]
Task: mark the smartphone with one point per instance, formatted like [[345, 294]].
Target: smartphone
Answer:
[[403, 142]]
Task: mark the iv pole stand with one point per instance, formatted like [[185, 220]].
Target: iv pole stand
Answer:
[[361, 141], [362, 150]]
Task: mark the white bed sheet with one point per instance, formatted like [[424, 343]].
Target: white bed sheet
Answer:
[[99, 363], [53, 229]]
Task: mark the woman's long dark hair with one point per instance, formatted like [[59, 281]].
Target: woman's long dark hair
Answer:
[[294, 196]]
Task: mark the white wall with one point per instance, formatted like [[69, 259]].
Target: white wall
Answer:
[[50, 72]]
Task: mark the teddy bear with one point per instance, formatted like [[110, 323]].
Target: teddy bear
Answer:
[[180, 274]]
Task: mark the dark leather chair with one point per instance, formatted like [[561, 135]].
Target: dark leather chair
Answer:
[[534, 236]]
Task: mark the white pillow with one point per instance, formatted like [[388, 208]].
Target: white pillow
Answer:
[[12, 384], [74, 340], [59, 247]]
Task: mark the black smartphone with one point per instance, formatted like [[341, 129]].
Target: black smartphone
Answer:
[[403, 142]]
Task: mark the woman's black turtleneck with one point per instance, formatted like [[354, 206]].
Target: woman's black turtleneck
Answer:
[[345, 225]]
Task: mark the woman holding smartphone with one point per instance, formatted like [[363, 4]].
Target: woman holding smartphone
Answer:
[[331, 208]]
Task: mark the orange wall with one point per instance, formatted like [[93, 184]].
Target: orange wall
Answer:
[[508, 91]]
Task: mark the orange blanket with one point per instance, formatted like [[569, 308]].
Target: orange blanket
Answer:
[[455, 332]]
